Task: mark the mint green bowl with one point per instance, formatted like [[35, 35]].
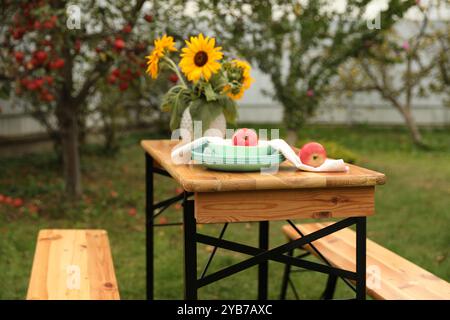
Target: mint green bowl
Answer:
[[236, 158], [228, 151]]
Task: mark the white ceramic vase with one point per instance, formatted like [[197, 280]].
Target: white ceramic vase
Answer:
[[217, 127]]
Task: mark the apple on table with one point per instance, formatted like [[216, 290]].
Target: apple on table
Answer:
[[313, 154], [245, 137]]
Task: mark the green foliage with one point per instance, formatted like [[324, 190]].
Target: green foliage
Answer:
[[300, 46], [414, 190], [337, 151], [175, 101], [401, 68], [206, 100]]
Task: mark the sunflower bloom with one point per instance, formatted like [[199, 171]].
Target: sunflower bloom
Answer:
[[162, 46], [200, 58], [246, 79]]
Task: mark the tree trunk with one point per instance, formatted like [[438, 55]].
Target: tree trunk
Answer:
[[291, 137], [68, 123], [413, 128]]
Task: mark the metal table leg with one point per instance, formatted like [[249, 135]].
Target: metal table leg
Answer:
[[149, 223], [263, 266], [361, 258], [190, 251]]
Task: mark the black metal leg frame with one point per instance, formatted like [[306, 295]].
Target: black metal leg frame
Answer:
[[259, 255]]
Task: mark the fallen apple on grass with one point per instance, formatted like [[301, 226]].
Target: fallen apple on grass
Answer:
[[313, 154], [245, 137]]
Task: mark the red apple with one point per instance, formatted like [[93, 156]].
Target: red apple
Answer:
[[47, 96], [245, 137], [173, 78], [19, 56], [148, 18], [132, 212], [50, 24], [17, 202], [77, 45], [2, 198], [18, 33], [37, 25], [49, 79], [57, 64], [123, 86], [8, 200], [119, 44], [112, 79], [127, 28], [163, 220], [313, 154], [116, 72], [47, 43], [32, 85], [39, 82]]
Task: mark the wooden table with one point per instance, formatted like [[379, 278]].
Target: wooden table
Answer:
[[224, 197]]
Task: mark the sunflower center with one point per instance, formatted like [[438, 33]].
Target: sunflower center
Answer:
[[200, 58]]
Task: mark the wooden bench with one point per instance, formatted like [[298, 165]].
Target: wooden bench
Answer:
[[389, 276], [73, 265]]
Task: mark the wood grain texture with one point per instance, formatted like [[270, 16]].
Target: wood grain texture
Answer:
[[263, 205], [73, 265], [399, 278], [196, 178]]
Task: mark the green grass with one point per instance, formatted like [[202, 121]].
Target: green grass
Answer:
[[413, 214]]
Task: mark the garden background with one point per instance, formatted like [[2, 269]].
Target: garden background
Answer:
[[382, 104]]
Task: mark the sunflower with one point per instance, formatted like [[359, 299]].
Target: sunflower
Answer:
[[199, 58], [246, 80], [162, 45]]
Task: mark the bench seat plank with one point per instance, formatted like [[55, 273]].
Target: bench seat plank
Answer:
[[399, 278], [73, 265]]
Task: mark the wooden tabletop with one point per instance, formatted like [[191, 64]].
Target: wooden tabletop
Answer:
[[196, 178]]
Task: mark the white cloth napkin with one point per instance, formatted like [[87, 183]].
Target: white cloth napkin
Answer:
[[182, 154]]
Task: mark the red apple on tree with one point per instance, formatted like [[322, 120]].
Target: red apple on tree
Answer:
[[111, 79], [123, 86], [245, 137], [116, 72], [8, 200], [17, 202], [119, 44], [313, 154], [49, 79], [39, 82], [127, 28], [173, 78], [19, 56], [57, 64]]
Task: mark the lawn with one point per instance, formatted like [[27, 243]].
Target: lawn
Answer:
[[412, 219]]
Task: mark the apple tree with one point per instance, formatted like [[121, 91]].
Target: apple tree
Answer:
[[300, 45], [54, 55], [402, 68]]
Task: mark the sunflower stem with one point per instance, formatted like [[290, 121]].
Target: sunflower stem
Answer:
[[175, 69]]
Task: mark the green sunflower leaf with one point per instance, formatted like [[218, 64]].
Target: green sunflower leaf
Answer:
[[209, 92], [176, 100]]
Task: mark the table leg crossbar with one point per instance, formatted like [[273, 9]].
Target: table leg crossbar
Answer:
[[331, 283], [276, 254], [260, 255]]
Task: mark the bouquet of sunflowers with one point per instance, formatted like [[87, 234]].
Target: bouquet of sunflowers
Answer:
[[208, 84]]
